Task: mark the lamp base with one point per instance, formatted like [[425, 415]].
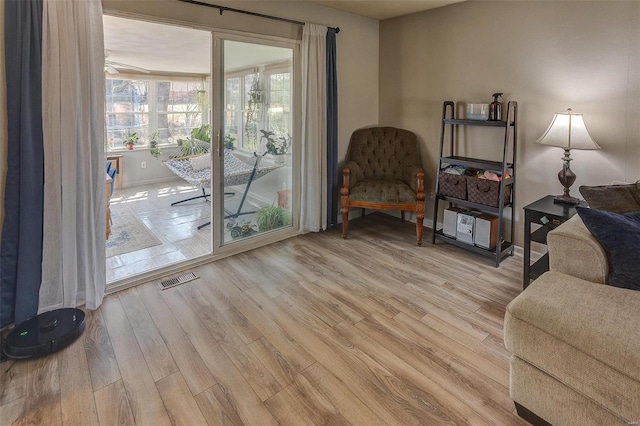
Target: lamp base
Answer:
[[567, 178], [566, 199]]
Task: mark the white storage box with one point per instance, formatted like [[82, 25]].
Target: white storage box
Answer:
[[477, 111], [451, 221], [486, 231], [464, 230]]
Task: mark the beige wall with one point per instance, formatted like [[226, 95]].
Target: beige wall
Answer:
[[546, 55], [357, 45]]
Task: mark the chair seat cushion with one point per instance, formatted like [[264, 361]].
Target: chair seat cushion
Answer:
[[382, 191]]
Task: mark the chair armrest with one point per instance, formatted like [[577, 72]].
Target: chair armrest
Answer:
[[351, 174], [574, 251], [411, 177]]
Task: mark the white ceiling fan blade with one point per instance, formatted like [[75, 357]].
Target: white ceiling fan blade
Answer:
[[110, 69], [128, 66]]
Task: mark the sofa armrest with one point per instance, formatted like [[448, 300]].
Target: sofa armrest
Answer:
[[572, 329], [574, 251]]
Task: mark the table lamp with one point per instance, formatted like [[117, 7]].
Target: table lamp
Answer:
[[567, 131]]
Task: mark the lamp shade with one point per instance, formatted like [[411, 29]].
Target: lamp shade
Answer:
[[567, 130]]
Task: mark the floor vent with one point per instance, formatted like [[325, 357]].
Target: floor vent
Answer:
[[181, 279]]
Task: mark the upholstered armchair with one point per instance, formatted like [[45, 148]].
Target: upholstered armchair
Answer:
[[383, 172]]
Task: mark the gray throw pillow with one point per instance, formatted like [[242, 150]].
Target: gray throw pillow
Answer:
[[613, 198], [619, 236]]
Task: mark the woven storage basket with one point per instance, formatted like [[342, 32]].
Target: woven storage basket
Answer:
[[487, 192], [452, 186]]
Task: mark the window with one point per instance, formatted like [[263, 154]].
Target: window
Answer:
[[255, 101], [279, 98], [172, 108], [127, 110]]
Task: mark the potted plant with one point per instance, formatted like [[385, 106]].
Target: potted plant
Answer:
[[241, 229], [275, 146], [130, 140], [229, 141], [202, 133], [154, 141], [272, 217]]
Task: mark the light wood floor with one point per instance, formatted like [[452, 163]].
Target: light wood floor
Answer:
[[313, 330]]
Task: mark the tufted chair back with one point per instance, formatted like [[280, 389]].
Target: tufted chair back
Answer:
[[383, 152]]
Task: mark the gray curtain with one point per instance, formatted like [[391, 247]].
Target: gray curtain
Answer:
[[332, 130], [21, 251]]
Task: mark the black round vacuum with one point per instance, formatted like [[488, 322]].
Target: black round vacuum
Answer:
[[44, 334]]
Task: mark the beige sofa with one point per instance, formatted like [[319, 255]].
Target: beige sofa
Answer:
[[575, 341]]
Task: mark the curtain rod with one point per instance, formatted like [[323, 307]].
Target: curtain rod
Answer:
[[223, 9]]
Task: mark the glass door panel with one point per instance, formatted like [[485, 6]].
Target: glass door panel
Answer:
[[257, 125], [157, 98]]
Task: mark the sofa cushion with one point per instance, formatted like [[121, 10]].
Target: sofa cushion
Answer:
[[582, 334], [619, 235], [382, 191], [613, 198]]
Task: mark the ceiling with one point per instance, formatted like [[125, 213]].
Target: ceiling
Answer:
[[384, 9], [172, 49], [163, 48]]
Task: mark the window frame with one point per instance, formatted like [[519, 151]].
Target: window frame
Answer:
[[152, 112]]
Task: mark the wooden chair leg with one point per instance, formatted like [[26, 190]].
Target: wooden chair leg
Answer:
[[402, 215], [419, 221], [344, 204], [345, 223]]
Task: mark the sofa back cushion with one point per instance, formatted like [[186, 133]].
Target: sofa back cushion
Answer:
[[619, 236], [613, 198]]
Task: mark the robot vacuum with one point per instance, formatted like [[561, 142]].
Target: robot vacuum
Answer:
[[44, 334]]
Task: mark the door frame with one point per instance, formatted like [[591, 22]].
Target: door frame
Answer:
[[219, 251]]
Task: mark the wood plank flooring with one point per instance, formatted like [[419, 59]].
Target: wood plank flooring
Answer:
[[314, 330]]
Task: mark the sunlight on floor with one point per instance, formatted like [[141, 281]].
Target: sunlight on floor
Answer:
[[175, 235], [149, 233]]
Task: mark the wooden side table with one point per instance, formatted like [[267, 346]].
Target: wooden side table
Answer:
[[548, 215]]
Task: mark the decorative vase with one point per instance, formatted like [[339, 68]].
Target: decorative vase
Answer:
[[130, 147]]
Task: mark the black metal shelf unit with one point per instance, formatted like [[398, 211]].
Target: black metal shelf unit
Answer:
[[506, 165]]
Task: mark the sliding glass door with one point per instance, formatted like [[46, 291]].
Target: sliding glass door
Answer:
[[256, 128], [201, 148]]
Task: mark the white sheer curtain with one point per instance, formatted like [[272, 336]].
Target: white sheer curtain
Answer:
[[313, 213], [73, 266]]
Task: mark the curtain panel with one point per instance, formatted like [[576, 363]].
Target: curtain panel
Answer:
[[52, 252], [75, 186], [313, 209], [21, 251], [332, 130]]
